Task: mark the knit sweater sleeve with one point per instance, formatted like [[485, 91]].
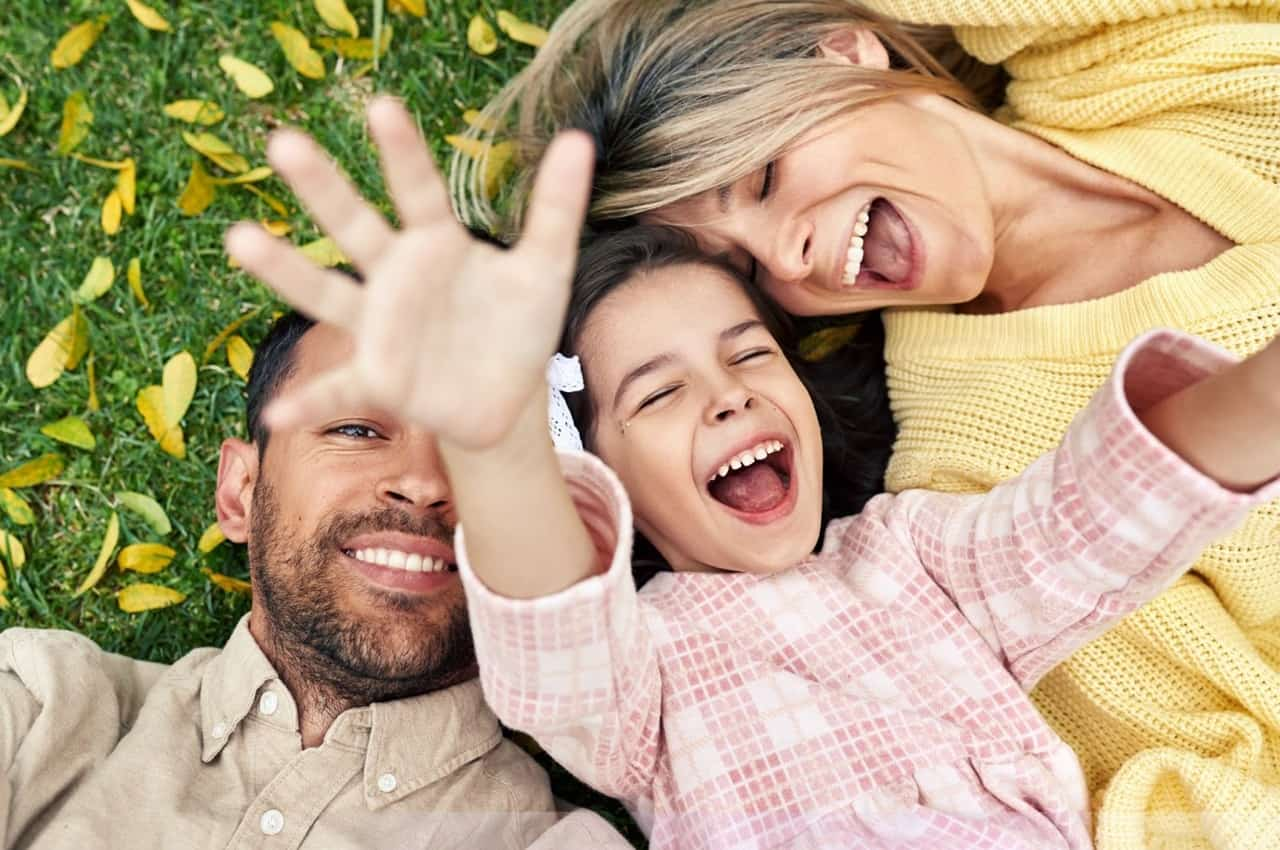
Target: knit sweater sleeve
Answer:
[[577, 670], [1047, 561], [1013, 14]]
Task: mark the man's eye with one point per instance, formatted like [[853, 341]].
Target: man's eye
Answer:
[[656, 397], [355, 430]]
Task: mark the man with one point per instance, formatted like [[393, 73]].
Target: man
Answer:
[[343, 712]]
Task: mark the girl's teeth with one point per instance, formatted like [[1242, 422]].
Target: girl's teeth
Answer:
[[750, 456], [724, 470], [761, 453]]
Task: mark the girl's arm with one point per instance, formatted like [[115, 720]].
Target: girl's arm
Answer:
[[1048, 560]]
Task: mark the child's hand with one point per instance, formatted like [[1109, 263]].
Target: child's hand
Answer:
[[450, 333]]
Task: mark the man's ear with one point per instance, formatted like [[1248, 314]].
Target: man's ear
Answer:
[[237, 473], [855, 46]]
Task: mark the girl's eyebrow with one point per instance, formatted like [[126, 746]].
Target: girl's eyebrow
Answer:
[[654, 363]]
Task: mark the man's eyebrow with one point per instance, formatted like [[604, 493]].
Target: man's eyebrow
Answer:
[[647, 367]]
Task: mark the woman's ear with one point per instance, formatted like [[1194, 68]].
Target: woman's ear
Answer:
[[855, 46], [237, 472]]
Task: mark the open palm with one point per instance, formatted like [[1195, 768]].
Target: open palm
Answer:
[[450, 332]]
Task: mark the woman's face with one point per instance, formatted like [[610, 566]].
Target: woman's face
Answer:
[[882, 207], [703, 419]]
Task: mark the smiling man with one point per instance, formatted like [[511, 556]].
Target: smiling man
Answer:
[[343, 711]]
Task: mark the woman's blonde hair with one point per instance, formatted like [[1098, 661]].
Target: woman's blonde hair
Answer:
[[683, 96]]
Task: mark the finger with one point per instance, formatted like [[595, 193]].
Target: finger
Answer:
[[322, 294], [358, 229], [558, 204], [415, 184], [330, 396]]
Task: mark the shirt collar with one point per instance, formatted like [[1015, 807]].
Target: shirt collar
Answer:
[[415, 741]]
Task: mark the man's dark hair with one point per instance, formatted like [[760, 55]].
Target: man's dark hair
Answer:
[[273, 362]]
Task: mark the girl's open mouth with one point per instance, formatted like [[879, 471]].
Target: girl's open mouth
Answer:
[[755, 483]]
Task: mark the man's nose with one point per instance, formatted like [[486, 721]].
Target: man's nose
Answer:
[[415, 478]]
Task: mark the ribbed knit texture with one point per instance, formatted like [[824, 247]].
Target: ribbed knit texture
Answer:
[[1175, 714]]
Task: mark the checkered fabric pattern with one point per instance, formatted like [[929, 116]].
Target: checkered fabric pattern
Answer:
[[873, 695]]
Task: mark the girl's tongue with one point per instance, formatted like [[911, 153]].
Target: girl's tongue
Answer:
[[753, 489]]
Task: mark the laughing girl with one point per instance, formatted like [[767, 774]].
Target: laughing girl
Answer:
[[757, 693]]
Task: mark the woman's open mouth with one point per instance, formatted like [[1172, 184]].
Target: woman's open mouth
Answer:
[[755, 483], [883, 251]]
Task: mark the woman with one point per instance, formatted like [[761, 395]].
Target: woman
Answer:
[[1128, 176]]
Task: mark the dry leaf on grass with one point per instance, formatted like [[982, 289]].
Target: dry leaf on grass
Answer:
[[211, 539], [239, 356], [148, 17], [104, 555], [72, 47], [140, 597], [148, 558], [147, 508], [16, 507], [480, 36], [33, 472], [77, 118], [71, 430], [298, 50], [336, 14], [521, 31], [249, 78], [195, 111], [227, 583]]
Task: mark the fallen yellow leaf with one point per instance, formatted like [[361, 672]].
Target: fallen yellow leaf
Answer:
[[820, 345], [475, 118], [9, 118], [147, 508], [150, 405], [357, 48], [199, 191], [211, 539], [71, 430], [277, 228], [270, 200], [101, 275], [216, 150], [134, 276], [100, 163], [140, 597], [33, 472], [92, 403], [72, 47], [148, 17], [224, 334], [111, 210], [337, 16], [104, 555], [324, 252], [12, 550], [127, 185], [480, 36], [239, 356], [77, 117], [521, 31], [145, 557], [16, 507], [262, 172], [195, 111], [298, 50], [417, 8], [6, 162], [61, 349], [250, 79], [179, 387], [227, 583], [497, 159]]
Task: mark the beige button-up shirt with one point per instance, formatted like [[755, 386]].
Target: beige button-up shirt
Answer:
[[102, 751]]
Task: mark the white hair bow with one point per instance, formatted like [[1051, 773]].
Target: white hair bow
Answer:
[[564, 375]]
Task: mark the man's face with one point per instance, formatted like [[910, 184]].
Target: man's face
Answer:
[[350, 529]]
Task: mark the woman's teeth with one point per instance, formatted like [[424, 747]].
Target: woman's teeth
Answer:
[[853, 257], [757, 452], [397, 560]]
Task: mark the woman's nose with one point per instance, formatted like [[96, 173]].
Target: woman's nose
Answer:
[[791, 257]]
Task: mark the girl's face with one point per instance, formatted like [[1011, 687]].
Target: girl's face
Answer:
[[688, 384], [883, 207]]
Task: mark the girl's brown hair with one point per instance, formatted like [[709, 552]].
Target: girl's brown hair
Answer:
[[683, 96]]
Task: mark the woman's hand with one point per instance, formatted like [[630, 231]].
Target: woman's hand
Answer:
[[450, 333]]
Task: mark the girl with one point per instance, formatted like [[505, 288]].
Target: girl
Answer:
[[1127, 177], [759, 694]]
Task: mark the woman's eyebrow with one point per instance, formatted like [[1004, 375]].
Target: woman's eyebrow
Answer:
[[647, 367]]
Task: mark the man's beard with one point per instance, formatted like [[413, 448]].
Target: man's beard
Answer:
[[337, 655]]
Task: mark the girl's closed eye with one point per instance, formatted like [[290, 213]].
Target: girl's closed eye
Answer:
[[655, 397], [754, 354]]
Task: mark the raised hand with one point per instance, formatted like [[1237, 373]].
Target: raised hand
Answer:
[[450, 333]]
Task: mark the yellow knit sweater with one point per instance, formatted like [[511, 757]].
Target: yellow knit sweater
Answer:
[[1175, 714]]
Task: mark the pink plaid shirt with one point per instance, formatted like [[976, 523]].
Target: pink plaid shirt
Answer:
[[875, 694]]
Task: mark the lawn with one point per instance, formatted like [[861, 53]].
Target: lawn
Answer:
[[51, 231]]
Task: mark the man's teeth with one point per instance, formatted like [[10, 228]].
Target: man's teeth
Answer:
[[760, 451], [397, 560], [853, 257]]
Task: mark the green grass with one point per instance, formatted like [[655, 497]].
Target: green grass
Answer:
[[50, 234]]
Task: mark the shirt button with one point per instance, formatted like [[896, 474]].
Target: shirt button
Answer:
[[387, 783], [219, 730], [268, 703], [272, 822]]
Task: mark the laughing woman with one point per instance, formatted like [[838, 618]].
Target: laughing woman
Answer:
[[1029, 184]]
